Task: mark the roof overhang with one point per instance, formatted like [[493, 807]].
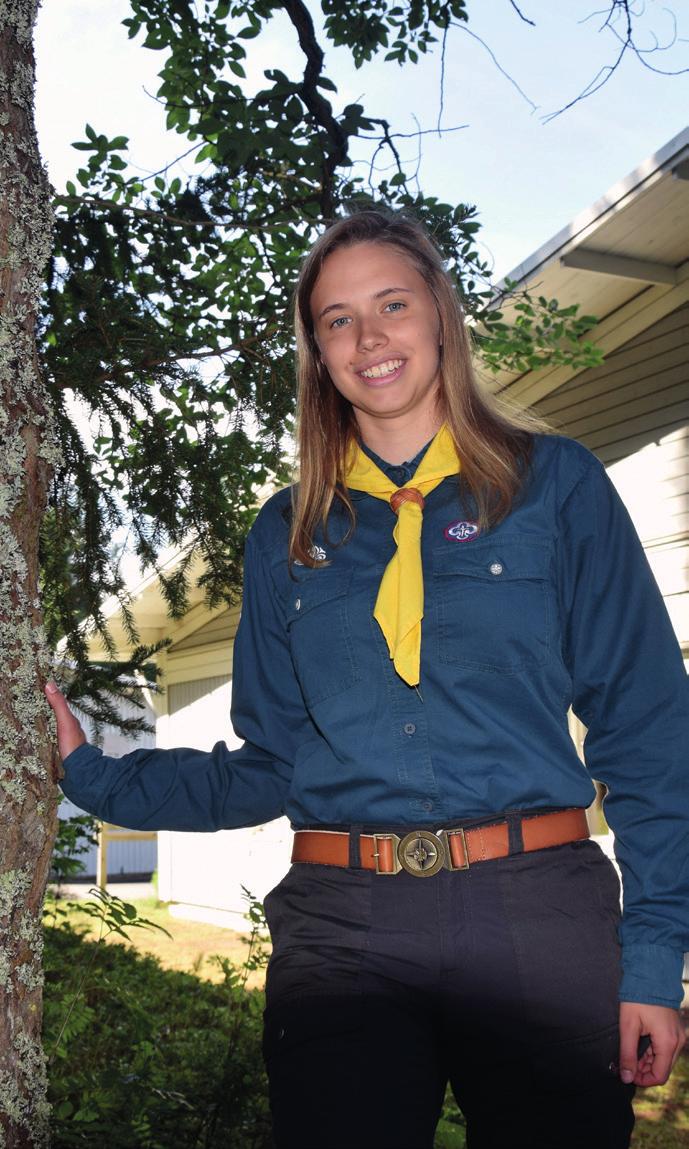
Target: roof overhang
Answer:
[[625, 260]]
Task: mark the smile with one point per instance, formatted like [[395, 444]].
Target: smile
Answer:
[[382, 370]]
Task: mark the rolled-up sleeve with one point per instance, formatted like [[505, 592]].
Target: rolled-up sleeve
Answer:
[[187, 789], [630, 688]]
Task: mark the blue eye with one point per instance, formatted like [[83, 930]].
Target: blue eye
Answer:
[[397, 303], [342, 319]]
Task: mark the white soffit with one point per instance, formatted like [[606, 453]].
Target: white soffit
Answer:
[[625, 259]]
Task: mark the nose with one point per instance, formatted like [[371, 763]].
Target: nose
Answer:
[[370, 333]]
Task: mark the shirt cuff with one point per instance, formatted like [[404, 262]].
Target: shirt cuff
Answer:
[[83, 778], [652, 975]]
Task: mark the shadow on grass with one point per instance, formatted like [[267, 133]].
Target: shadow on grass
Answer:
[[146, 1057]]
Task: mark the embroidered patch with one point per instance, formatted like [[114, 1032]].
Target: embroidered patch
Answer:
[[462, 531], [316, 553]]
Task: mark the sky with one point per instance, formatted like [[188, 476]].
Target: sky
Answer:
[[529, 176]]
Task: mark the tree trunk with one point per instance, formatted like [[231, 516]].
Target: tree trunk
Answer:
[[27, 452]]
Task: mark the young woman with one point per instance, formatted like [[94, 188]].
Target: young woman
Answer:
[[419, 613]]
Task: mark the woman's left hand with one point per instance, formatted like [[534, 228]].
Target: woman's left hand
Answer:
[[666, 1031]]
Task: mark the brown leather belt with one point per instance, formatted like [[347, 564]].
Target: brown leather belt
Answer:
[[423, 853]]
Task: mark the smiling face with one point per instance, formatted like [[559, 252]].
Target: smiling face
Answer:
[[378, 333]]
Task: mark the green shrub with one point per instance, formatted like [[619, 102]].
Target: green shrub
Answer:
[[147, 1058], [73, 839]]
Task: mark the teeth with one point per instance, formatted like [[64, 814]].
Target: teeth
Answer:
[[381, 369]]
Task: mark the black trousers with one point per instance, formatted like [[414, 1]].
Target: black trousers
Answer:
[[501, 980]]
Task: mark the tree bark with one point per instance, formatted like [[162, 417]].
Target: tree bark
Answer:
[[27, 454]]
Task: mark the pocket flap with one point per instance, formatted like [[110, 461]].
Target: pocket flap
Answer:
[[494, 560], [316, 587]]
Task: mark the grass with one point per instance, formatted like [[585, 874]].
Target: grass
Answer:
[[662, 1114], [190, 948]]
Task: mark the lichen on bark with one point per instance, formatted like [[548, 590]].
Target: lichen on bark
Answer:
[[27, 803]]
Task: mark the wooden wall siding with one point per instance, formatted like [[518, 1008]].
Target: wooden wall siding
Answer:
[[219, 629], [183, 694], [671, 568], [638, 395], [654, 484]]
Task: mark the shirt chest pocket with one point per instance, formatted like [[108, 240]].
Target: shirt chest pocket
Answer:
[[494, 605], [319, 633]]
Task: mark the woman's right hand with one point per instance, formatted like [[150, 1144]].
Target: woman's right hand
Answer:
[[69, 732]]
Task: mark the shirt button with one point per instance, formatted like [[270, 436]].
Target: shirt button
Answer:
[[297, 605], [426, 805], [496, 568], [409, 728]]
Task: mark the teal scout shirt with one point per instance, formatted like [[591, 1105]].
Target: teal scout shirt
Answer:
[[556, 606]]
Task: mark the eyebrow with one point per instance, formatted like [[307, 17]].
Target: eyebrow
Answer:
[[378, 295]]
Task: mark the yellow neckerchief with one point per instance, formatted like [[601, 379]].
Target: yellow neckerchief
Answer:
[[399, 605]]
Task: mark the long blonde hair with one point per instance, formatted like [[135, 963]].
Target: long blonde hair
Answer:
[[493, 441]]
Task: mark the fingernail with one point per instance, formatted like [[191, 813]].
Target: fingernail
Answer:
[[51, 687], [627, 1076]]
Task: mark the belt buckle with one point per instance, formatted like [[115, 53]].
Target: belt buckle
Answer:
[[444, 836], [422, 853], [393, 838]]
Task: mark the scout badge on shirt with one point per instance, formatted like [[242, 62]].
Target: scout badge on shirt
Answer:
[[462, 531]]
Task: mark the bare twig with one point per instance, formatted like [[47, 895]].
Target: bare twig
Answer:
[[498, 65], [238, 222], [442, 80], [411, 135], [165, 170], [627, 42], [522, 16]]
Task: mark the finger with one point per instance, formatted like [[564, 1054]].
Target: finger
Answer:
[[630, 1032], [60, 705], [658, 1072], [69, 731], [56, 698]]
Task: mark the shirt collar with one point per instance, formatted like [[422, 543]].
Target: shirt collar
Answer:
[[397, 473]]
